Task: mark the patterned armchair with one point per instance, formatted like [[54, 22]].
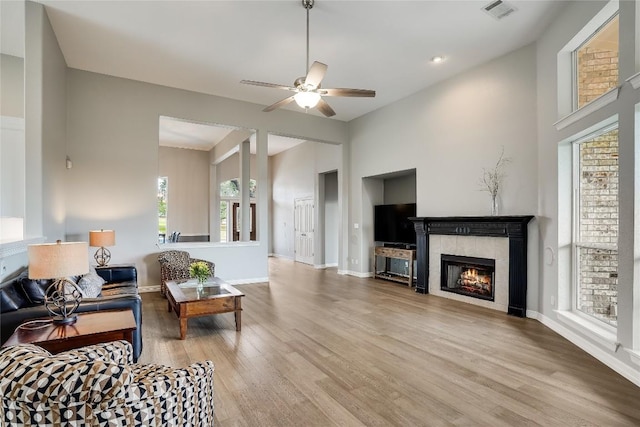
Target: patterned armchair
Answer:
[[99, 385], [174, 265]]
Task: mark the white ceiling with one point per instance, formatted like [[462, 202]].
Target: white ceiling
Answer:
[[209, 46], [178, 133]]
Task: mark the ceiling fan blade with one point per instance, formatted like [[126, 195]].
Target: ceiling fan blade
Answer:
[[315, 74], [279, 104], [263, 84], [348, 92], [325, 108]]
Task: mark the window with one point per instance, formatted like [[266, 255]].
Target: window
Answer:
[[224, 209], [162, 209], [596, 63], [231, 188], [595, 235]]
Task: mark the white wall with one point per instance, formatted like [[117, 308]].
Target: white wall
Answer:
[[187, 172], [449, 133], [113, 141], [294, 175]]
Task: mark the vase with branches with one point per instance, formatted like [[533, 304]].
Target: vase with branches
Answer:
[[491, 180]]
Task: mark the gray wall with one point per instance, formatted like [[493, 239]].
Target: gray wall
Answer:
[[113, 133], [294, 175], [11, 86], [54, 135], [331, 218], [400, 190], [187, 173], [449, 133]]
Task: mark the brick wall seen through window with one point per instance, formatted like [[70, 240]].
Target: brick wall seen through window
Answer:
[[597, 64], [597, 293]]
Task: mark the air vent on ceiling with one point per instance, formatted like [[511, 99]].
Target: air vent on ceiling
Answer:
[[499, 9]]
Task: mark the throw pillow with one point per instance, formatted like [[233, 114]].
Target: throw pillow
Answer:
[[34, 289], [91, 284], [10, 299]]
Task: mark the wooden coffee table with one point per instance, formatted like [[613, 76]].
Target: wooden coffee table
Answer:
[[187, 299], [91, 328]]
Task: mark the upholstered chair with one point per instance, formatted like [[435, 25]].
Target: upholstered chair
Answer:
[[174, 265], [99, 385]]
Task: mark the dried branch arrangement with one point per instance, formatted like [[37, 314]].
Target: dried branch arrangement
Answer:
[[491, 180]]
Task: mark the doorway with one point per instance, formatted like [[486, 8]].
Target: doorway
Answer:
[[236, 222]]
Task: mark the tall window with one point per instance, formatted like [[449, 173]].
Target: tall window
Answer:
[[162, 209], [596, 224], [596, 63]]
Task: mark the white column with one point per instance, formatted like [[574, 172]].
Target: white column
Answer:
[[245, 176], [262, 208], [214, 204]]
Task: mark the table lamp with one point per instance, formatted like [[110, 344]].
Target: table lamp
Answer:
[[58, 261], [102, 238]]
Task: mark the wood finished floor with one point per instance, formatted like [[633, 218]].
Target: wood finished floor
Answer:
[[319, 349]]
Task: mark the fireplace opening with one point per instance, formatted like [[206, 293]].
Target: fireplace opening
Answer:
[[473, 277]]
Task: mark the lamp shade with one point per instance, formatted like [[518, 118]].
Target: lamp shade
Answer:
[[56, 260], [307, 99], [102, 238]]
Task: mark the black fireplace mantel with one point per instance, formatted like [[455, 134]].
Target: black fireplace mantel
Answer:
[[513, 228]]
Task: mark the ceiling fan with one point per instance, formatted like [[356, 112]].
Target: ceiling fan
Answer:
[[308, 92]]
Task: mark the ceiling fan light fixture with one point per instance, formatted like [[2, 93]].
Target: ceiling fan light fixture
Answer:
[[307, 99], [437, 59]]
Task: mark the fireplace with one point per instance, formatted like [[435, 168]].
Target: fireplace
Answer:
[[513, 229], [473, 277]]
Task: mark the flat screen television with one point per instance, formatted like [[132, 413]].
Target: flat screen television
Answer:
[[392, 224]]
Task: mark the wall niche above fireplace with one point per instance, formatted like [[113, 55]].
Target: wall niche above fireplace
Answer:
[[470, 276]]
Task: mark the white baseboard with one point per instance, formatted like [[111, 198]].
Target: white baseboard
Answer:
[[620, 367], [152, 288], [274, 255], [323, 266], [532, 314], [356, 273]]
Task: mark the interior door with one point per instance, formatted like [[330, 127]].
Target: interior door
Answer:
[[304, 228]]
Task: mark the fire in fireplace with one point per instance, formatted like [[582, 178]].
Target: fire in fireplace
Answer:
[[469, 276]]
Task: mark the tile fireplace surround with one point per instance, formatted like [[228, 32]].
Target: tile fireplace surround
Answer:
[[513, 228]]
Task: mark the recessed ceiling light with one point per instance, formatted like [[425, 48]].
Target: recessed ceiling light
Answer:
[[437, 59]]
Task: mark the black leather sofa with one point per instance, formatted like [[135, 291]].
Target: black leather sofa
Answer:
[[21, 300]]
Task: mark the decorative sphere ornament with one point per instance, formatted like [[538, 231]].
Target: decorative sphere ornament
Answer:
[[61, 300]]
